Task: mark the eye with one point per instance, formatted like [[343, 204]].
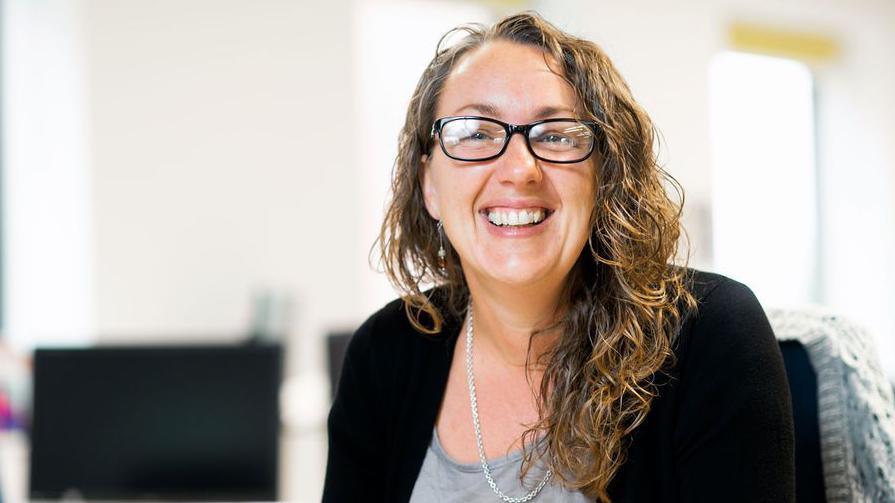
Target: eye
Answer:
[[561, 136], [477, 132], [476, 136], [555, 141], [556, 138]]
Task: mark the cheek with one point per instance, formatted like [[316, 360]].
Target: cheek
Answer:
[[581, 192], [438, 191], [583, 200], [458, 191]]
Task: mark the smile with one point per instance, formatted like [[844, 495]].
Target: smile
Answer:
[[516, 217]]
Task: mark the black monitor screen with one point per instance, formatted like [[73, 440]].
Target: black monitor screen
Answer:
[[185, 423]]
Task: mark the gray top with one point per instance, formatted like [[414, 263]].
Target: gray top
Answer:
[[444, 480]]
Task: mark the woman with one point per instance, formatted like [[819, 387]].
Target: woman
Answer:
[[560, 357]]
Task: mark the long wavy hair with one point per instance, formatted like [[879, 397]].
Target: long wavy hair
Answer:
[[624, 300]]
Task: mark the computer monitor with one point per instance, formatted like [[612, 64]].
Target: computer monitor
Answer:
[[161, 423], [337, 346]]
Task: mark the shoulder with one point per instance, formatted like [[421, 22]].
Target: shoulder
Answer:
[[721, 301], [733, 418], [714, 288], [391, 324], [378, 343], [388, 340], [728, 330], [386, 325]]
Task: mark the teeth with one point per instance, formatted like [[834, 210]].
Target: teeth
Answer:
[[516, 218]]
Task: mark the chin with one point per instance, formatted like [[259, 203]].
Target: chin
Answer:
[[519, 272]]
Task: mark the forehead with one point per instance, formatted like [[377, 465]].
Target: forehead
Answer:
[[512, 79]]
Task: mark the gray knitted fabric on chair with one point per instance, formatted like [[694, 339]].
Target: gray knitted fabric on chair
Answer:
[[856, 407]]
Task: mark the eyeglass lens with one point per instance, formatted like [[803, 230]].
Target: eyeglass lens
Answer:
[[476, 139]]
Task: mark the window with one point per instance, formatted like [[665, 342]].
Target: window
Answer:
[[764, 189]]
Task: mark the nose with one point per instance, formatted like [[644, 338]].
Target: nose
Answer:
[[517, 165]]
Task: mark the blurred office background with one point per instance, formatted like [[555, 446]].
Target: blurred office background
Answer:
[[197, 171]]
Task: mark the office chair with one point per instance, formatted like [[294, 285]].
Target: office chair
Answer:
[[843, 409]]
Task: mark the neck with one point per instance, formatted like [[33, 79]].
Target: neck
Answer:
[[507, 315]]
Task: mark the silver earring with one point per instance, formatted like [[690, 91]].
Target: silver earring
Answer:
[[442, 254]]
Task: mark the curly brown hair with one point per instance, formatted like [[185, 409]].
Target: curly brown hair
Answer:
[[624, 300]]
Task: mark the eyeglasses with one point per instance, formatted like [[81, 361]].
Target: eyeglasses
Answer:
[[474, 139]]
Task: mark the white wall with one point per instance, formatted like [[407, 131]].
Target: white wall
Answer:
[[857, 162], [215, 172], [47, 200]]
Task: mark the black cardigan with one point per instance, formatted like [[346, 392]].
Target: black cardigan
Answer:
[[720, 430]]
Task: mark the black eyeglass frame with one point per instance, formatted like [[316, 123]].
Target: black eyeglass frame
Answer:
[[510, 130]]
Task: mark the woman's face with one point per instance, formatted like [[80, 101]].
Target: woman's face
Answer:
[[512, 83]]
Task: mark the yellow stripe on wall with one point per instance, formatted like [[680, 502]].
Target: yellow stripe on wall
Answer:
[[809, 47]]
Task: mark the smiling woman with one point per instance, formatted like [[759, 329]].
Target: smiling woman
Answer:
[[590, 367]]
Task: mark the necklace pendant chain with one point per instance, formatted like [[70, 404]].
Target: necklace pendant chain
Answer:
[[473, 402]]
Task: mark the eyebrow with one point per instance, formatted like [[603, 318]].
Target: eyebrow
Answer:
[[491, 111]]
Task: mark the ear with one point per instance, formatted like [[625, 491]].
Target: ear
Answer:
[[430, 189]]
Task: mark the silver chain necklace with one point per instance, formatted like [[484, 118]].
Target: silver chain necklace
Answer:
[[473, 402]]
